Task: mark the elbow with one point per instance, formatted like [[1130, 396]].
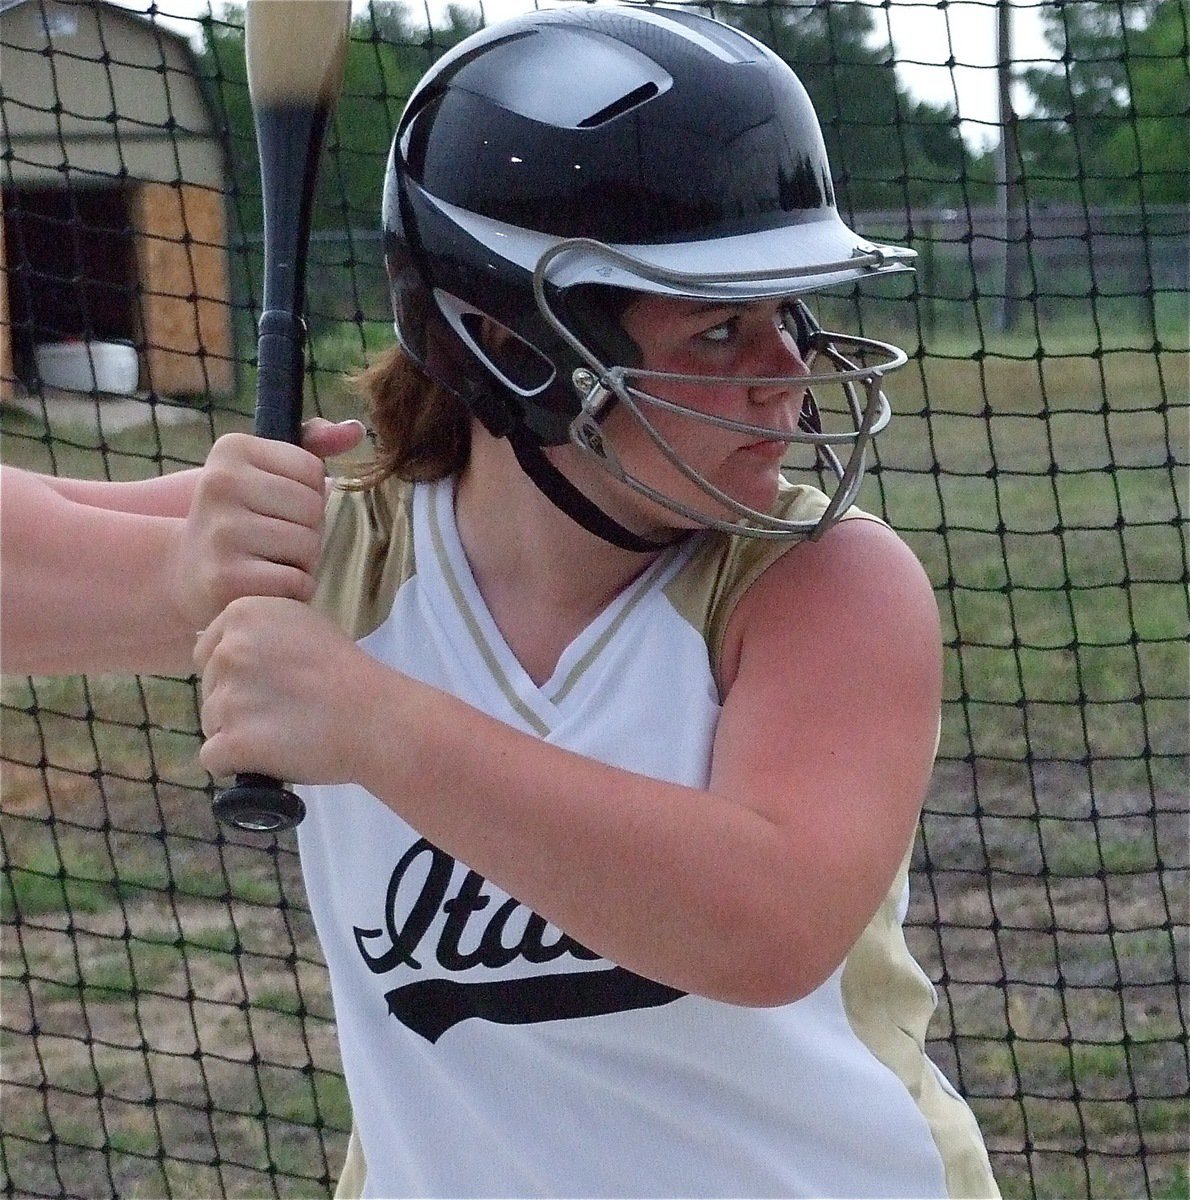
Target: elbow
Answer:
[[771, 984], [772, 965]]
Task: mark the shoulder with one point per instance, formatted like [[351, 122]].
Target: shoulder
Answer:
[[831, 697], [367, 553], [730, 581], [858, 598]]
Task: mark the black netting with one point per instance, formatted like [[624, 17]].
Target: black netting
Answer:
[[165, 1020]]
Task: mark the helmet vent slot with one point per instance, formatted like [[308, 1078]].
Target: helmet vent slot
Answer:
[[618, 108], [515, 362]]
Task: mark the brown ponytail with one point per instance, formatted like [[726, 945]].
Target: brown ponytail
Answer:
[[423, 432]]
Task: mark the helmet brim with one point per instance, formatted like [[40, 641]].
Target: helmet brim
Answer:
[[788, 260]]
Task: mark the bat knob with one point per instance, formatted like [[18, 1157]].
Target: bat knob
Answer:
[[258, 804]]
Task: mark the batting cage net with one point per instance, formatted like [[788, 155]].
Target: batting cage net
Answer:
[[166, 1024]]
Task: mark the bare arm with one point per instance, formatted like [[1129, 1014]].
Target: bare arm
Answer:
[[161, 496], [751, 891], [83, 587], [98, 576]]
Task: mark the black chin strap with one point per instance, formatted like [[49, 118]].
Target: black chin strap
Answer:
[[564, 495]]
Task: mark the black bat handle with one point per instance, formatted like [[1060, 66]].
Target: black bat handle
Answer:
[[258, 803], [280, 361]]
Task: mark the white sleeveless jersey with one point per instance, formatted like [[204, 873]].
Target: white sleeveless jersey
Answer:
[[487, 1053]]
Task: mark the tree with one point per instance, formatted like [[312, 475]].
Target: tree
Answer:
[[1111, 121], [886, 149], [386, 56]]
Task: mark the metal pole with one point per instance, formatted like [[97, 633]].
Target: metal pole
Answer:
[[1008, 169]]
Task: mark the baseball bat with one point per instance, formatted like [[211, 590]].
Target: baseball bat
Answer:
[[295, 52]]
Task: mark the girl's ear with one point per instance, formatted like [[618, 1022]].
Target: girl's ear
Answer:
[[491, 334]]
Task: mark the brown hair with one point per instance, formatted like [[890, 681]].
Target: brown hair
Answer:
[[423, 432]]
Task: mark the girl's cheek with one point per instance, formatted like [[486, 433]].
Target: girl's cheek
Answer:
[[710, 399]]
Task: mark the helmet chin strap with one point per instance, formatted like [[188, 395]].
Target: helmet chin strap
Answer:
[[565, 496]]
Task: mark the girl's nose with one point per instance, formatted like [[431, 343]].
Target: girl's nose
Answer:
[[776, 359]]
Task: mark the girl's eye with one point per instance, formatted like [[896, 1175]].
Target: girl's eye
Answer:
[[719, 334]]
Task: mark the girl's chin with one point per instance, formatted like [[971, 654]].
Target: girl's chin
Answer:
[[751, 477], [757, 484], [759, 496]]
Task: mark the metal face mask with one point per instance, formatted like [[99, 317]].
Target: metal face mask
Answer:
[[854, 365]]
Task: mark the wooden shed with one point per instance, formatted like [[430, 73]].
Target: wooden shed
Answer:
[[114, 222]]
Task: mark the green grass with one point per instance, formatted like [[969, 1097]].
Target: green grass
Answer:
[[45, 885], [1051, 529], [1081, 848], [1039, 494], [1176, 1185]]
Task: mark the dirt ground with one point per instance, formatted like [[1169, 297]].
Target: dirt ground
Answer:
[[167, 1028]]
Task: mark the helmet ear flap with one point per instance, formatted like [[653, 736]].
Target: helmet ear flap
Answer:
[[493, 411], [449, 356], [806, 332], [501, 368]]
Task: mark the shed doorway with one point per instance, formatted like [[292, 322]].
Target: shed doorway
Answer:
[[71, 268]]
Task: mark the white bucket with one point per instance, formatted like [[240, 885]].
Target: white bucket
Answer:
[[88, 366]]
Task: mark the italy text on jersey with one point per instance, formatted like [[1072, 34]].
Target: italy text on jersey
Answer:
[[456, 924]]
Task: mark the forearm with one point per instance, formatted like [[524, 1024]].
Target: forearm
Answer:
[[86, 589], [683, 885], [162, 496]]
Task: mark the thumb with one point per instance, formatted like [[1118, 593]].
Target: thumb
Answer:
[[328, 438]]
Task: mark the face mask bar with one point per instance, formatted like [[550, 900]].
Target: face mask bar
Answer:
[[870, 415], [599, 384]]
